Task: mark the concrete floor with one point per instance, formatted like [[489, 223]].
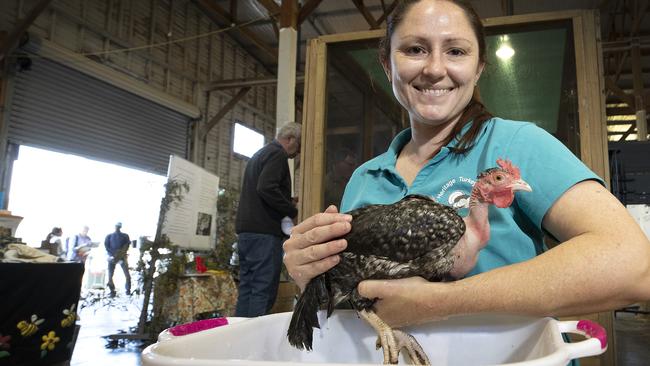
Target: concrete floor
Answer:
[[104, 318], [632, 336]]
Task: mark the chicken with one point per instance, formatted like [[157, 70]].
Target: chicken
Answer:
[[415, 236]]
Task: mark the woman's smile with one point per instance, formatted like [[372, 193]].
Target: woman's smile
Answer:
[[434, 62]]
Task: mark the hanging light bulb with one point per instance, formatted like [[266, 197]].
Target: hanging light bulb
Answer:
[[505, 51]]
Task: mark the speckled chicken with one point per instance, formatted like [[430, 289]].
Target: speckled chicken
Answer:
[[415, 236]]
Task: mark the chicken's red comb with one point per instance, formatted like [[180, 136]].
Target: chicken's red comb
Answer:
[[508, 166]]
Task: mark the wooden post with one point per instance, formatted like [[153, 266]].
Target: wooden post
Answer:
[[285, 108], [639, 105], [4, 120], [313, 129]]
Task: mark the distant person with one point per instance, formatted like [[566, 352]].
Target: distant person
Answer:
[[52, 242], [117, 245], [265, 199], [78, 246]]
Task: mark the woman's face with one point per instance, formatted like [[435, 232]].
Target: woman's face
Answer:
[[434, 62]]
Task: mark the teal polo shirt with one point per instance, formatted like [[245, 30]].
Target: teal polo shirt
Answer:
[[515, 232]]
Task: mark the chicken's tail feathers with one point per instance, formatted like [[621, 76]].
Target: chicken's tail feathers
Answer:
[[305, 314]]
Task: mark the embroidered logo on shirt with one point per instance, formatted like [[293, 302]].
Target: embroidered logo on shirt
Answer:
[[456, 192]]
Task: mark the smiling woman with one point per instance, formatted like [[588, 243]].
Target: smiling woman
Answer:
[[55, 189], [433, 53], [434, 64]]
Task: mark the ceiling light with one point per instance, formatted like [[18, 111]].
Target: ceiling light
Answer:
[[505, 52]]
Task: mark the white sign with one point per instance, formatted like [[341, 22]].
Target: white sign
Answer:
[[192, 222]]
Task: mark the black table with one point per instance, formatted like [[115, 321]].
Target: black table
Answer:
[[38, 304]]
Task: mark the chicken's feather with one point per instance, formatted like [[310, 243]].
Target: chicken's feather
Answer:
[[404, 231]]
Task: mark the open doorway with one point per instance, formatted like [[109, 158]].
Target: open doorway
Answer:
[[51, 189]]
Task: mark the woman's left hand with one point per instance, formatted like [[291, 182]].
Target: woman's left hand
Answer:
[[394, 296]]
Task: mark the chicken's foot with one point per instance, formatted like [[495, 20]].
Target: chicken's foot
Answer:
[[393, 340]]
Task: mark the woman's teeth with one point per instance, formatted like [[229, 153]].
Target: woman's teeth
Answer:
[[436, 92]]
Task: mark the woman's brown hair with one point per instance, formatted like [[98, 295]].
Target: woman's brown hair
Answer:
[[475, 112]]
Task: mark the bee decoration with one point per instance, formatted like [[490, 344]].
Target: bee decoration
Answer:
[[28, 329], [70, 316]]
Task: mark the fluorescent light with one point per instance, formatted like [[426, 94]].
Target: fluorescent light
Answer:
[[505, 52]]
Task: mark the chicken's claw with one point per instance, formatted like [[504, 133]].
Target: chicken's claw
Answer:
[[392, 341]]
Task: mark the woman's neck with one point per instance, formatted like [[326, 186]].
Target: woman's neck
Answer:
[[427, 140]]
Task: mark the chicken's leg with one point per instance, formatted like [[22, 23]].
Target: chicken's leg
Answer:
[[392, 341]]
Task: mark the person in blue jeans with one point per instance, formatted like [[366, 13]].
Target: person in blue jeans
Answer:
[[264, 201], [117, 246]]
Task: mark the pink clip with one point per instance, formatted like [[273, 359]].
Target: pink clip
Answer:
[[593, 330], [197, 326]]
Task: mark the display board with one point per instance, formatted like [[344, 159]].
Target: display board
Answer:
[[192, 222]]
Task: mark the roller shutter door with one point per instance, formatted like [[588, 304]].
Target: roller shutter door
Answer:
[[58, 108]]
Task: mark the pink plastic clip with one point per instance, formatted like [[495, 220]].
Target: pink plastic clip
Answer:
[[197, 326], [593, 330]]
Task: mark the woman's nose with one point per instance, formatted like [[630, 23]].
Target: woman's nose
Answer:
[[435, 65]]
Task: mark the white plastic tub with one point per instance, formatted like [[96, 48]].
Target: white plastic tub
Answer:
[[344, 338]]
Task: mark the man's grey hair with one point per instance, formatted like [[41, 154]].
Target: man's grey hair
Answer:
[[289, 129]]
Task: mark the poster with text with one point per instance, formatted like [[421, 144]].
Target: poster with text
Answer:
[[192, 222]]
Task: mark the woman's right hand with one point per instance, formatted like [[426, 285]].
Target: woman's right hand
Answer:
[[313, 246]]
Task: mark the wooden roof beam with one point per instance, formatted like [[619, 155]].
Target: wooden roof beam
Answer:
[[641, 120], [218, 12], [307, 9], [638, 17], [226, 108], [239, 83], [233, 11], [270, 6], [627, 133], [289, 14], [387, 12], [612, 87], [366, 14], [11, 40]]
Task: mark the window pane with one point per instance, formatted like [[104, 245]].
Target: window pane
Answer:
[[537, 83], [247, 141], [362, 114]]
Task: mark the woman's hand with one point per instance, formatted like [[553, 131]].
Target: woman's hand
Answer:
[[393, 296], [313, 246]]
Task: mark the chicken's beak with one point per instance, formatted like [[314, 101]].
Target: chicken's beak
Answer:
[[520, 185]]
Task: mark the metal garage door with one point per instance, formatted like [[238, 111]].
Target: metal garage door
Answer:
[[58, 108]]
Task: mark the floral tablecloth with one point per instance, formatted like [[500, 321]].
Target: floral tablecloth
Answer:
[[201, 293]]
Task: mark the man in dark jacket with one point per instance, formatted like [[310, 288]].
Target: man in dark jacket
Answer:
[[265, 200], [117, 245]]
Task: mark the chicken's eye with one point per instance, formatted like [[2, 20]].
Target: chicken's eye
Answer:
[[499, 178]]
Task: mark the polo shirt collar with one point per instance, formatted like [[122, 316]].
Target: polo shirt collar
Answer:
[[388, 160]]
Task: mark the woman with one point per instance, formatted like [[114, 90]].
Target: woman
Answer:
[[433, 54], [53, 243]]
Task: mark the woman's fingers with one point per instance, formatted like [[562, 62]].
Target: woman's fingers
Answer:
[[314, 252], [321, 219], [303, 273], [314, 244]]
